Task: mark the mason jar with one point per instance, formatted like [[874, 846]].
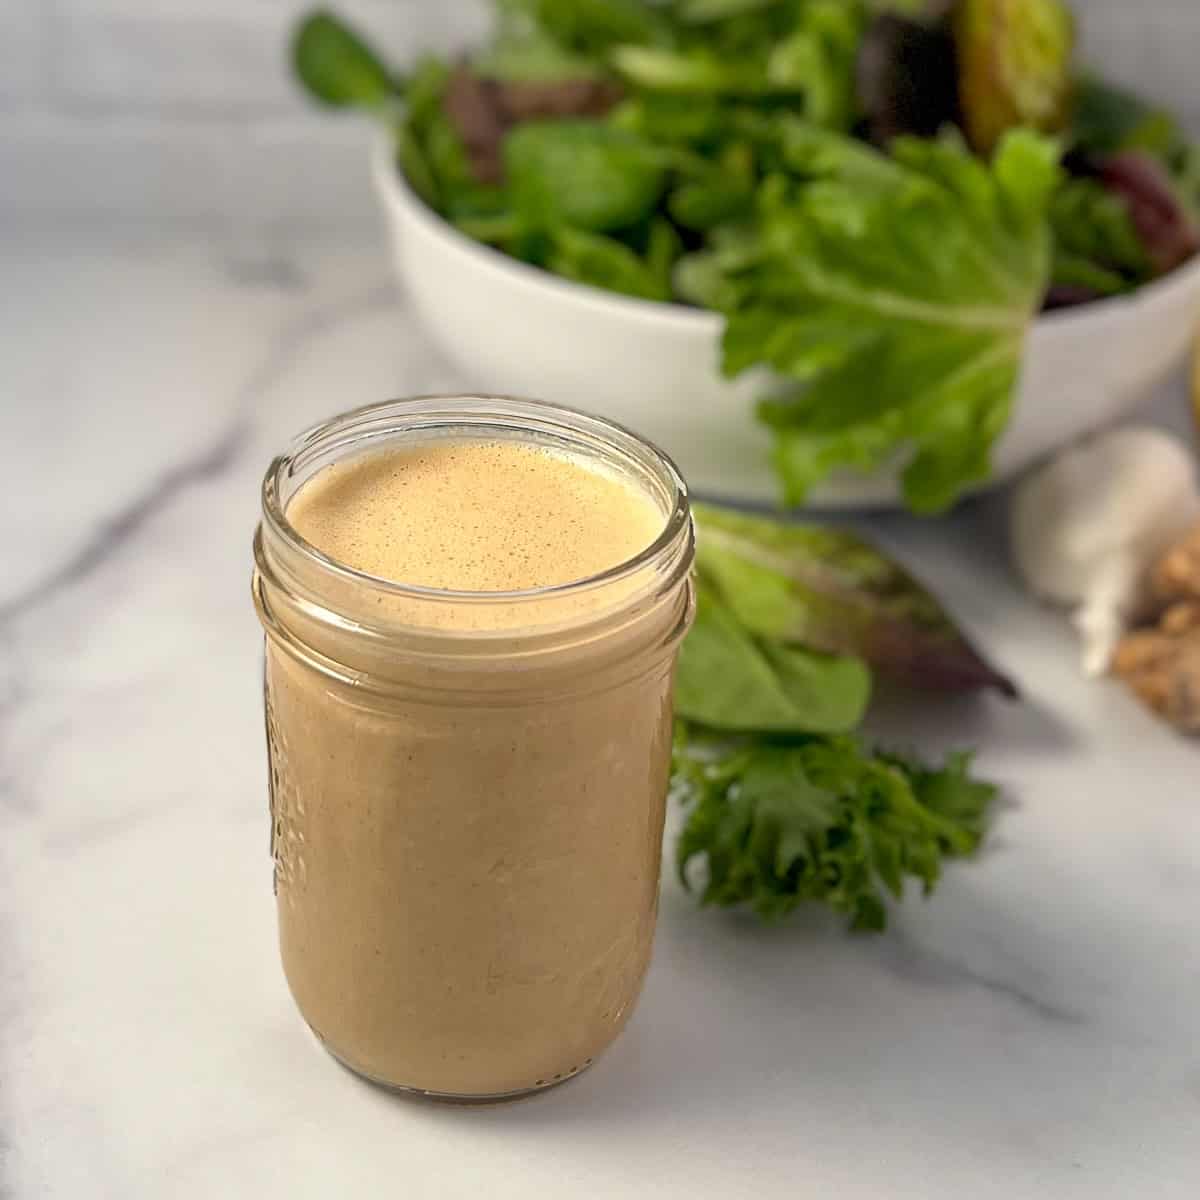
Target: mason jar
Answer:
[[467, 789]]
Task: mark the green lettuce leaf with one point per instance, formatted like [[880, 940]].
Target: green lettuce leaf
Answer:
[[590, 26], [783, 806], [753, 50], [896, 293], [781, 823], [702, 12], [826, 589], [533, 58], [729, 679], [697, 69], [1108, 119]]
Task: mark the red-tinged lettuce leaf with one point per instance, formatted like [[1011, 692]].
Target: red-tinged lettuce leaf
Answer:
[[483, 109], [828, 590], [1167, 230]]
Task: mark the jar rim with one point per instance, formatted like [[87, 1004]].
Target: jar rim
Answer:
[[476, 412]]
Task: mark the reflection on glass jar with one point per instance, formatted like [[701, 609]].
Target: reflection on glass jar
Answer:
[[468, 788]]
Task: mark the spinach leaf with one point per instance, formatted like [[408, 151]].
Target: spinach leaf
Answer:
[[1108, 118], [336, 65], [583, 174]]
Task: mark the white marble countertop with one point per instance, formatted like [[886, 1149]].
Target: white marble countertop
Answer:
[[1032, 1031]]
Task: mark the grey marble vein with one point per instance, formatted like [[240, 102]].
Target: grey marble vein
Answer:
[[116, 530], [905, 958], [212, 462], [9, 1015], [5, 1154], [14, 694], [278, 272], [308, 326]]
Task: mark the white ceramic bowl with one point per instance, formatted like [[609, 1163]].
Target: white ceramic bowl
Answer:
[[516, 330]]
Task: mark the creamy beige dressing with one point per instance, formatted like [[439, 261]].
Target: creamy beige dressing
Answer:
[[474, 516], [467, 885]]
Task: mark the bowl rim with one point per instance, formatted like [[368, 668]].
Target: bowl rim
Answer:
[[394, 189]]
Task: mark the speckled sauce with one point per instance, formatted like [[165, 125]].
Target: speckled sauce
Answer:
[[467, 873], [474, 516]]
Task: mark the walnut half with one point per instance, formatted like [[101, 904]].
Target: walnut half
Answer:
[[1161, 662], [1176, 575]]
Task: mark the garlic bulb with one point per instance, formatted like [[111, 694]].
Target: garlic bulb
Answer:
[[1086, 527]]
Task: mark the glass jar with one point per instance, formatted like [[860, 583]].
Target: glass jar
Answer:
[[468, 789]]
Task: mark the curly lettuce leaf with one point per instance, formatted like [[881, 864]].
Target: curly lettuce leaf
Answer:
[[896, 293], [819, 820]]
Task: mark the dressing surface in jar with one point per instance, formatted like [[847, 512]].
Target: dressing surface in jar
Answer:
[[473, 608]]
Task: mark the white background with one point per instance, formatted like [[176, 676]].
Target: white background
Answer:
[[179, 113]]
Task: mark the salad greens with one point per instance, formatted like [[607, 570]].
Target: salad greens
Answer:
[[784, 821], [1096, 244], [616, 178], [827, 590], [337, 66], [732, 679], [878, 195], [894, 292], [784, 804]]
